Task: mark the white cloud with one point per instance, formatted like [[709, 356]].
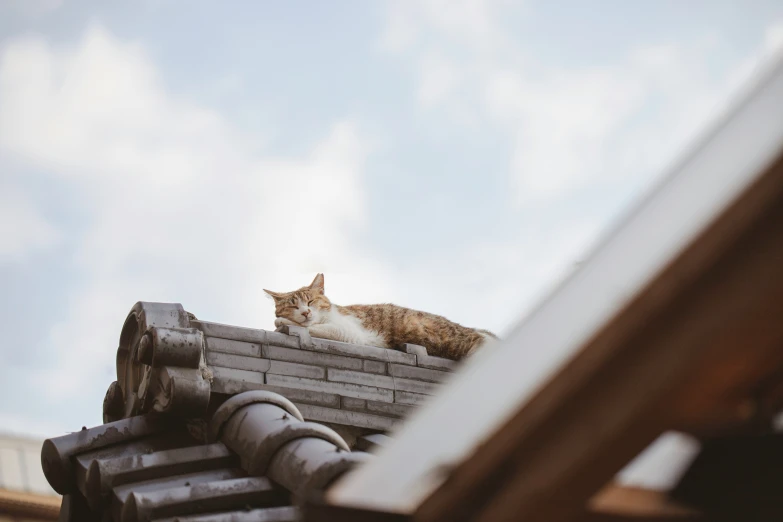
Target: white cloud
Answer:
[[623, 121], [773, 37], [181, 206], [32, 8], [438, 79], [492, 284], [461, 22], [23, 229], [560, 124]]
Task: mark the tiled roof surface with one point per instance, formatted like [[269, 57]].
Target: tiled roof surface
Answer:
[[210, 422], [257, 456], [329, 381]]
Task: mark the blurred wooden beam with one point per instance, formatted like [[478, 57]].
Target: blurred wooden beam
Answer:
[[708, 330], [674, 320], [29, 506], [616, 503]]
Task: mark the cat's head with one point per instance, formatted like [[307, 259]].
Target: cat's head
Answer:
[[305, 306]]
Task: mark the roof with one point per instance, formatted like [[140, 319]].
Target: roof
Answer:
[[341, 384], [255, 456], [214, 422], [673, 323]]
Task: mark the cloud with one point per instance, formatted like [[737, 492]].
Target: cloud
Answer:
[[620, 122], [470, 23], [773, 37], [23, 228], [180, 205], [493, 283], [438, 80], [34, 8]]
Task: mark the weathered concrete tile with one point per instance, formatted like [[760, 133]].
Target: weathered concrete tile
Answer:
[[350, 350], [416, 349], [331, 400], [281, 339], [414, 372], [297, 370], [232, 386], [340, 388], [215, 344], [239, 375], [399, 357], [426, 360], [411, 385], [349, 403], [226, 331], [227, 360], [374, 367], [365, 352], [350, 418], [231, 380], [367, 379], [385, 408], [402, 397], [305, 341], [437, 363], [311, 357]]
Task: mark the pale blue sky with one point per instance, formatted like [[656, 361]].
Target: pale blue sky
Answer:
[[457, 157]]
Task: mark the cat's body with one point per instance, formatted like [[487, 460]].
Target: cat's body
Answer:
[[382, 325]]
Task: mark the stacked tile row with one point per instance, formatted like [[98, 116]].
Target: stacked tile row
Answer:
[[148, 468], [260, 455], [329, 381]]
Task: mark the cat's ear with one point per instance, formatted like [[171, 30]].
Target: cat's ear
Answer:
[[318, 283], [273, 295]]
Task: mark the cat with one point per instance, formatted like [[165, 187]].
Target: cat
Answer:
[[382, 325]]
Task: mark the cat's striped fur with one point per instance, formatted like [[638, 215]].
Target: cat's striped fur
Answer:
[[383, 325]]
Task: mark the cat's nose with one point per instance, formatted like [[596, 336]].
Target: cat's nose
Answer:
[[306, 313]]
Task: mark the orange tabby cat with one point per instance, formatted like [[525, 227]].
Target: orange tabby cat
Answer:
[[383, 325]]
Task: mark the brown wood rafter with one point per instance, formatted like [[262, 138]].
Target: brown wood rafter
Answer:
[[702, 344], [617, 503], [29, 505]]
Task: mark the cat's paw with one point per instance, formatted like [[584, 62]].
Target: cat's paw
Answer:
[[282, 321]]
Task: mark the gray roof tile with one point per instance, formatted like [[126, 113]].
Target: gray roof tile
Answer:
[[200, 425]]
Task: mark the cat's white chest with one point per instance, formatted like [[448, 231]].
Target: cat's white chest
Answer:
[[354, 331]]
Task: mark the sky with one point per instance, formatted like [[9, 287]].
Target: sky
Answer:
[[458, 157]]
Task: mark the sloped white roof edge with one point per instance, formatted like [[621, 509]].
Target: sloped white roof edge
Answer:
[[499, 380]]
